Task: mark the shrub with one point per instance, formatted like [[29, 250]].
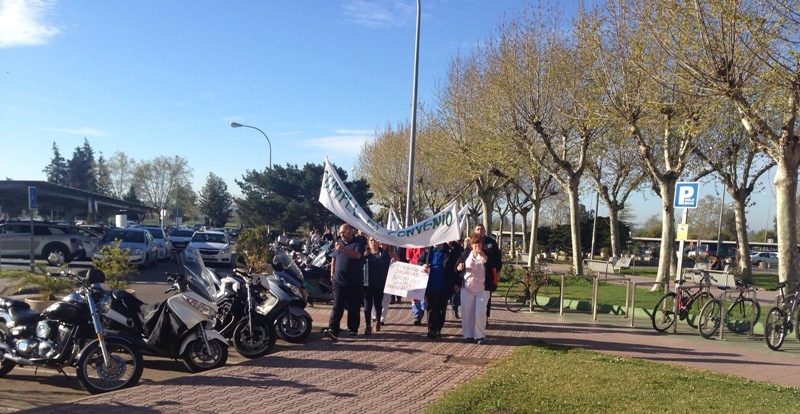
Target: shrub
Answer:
[[114, 264], [253, 244], [46, 286], [510, 274]]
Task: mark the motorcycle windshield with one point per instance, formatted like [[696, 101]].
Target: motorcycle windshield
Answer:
[[322, 256], [198, 278], [289, 265]]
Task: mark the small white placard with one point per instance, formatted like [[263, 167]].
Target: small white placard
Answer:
[[406, 280]]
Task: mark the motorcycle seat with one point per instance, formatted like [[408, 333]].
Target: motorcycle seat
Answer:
[[9, 303], [23, 316]]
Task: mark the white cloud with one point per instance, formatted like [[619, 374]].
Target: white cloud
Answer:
[[379, 13], [83, 131], [24, 22], [339, 144]]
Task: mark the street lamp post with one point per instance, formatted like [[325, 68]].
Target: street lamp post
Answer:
[[238, 125]]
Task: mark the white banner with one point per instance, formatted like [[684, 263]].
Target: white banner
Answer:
[[440, 228], [406, 280], [462, 217]]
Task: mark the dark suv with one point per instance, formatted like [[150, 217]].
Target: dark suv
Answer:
[[15, 240]]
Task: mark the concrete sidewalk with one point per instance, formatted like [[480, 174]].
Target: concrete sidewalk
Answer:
[[401, 370]]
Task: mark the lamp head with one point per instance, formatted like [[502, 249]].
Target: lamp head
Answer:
[[236, 125]]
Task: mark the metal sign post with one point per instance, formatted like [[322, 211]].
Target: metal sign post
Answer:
[[686, 196]]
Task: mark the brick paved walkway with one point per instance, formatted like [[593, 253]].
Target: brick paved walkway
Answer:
[[401, 370]]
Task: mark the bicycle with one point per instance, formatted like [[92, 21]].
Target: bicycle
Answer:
[[739, 317], [688, 305], [779, 322], [537, 285]]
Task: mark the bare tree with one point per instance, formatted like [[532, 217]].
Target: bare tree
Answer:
[[121, 171], [158, 179], [743, 51]]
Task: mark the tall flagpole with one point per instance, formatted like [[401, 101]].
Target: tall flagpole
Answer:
[[410, 192]]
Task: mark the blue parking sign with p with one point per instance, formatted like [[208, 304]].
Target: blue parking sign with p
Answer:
[[686, 195]]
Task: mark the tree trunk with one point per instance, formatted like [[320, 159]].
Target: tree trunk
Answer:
[[575, 225], [487, 204], [785, 197], [524, 214], [743, 249], [613, 217], [534, 226], [512, 246], [667, 250]]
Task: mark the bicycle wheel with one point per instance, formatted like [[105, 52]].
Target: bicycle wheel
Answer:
[[664, 313], [517, 295], [694, 307], [546, 296], [774, 328], [708, 320], [741, 314], [796, 320]]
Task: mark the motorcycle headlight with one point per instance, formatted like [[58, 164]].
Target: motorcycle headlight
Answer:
[[294, 289], [201, 307], [43, 329]]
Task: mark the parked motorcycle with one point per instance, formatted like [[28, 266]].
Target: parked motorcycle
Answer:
[[179, 327], [293, 322], [247, 311], [68, 333]]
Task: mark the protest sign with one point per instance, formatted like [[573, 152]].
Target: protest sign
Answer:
[[406, 280]]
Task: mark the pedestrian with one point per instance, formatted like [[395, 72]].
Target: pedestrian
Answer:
[[455, 299], [475, 291], [392, 251], [376, 268], [417, 306], [328, 236], [347, 277], [440, 261], [495, 261]]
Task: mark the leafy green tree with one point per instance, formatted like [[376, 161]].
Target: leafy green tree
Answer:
[[103, 176], [131, 195], [216, 202], [81, 168], [57, 169], [114, 264], [287, 197]]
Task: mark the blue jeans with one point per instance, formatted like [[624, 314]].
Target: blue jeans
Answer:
[[418, 308]]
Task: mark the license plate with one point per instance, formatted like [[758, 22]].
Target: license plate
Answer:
[[212, 258]]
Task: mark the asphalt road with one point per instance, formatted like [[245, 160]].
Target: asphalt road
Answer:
[[27, 387]]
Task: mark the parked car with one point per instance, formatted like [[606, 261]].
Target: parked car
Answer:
[[162, 242], [15, 240], [213, 246], [89, 237], [143, 249], [179, 238], [770, 258]]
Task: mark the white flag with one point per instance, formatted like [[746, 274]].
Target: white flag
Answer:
[[439, 228]]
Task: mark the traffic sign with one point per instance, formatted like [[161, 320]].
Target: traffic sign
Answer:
[[33, 202], [686, 194]]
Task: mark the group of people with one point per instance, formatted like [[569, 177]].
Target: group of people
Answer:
[[463, 273]]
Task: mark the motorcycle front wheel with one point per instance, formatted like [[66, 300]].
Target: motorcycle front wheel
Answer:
[[294, 329], [255, 342], [197, 359], [124, 369], [6, 366]]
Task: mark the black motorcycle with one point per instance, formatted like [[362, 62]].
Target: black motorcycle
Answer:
[[70, 333], [246, 311]]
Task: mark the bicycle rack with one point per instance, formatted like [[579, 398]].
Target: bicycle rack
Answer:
[[595, 284], [633, 296]]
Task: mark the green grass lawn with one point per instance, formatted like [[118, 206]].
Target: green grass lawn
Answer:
[[533, 379]]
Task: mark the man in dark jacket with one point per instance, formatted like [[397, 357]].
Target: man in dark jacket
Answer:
[[443, 279]]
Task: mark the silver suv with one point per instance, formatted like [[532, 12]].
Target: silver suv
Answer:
[[15, 240]]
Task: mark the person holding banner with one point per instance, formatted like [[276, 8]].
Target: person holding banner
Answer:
[[347, 275], [440, 262], [475, 290]]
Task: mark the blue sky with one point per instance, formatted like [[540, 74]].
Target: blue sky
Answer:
[[167, 77]]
